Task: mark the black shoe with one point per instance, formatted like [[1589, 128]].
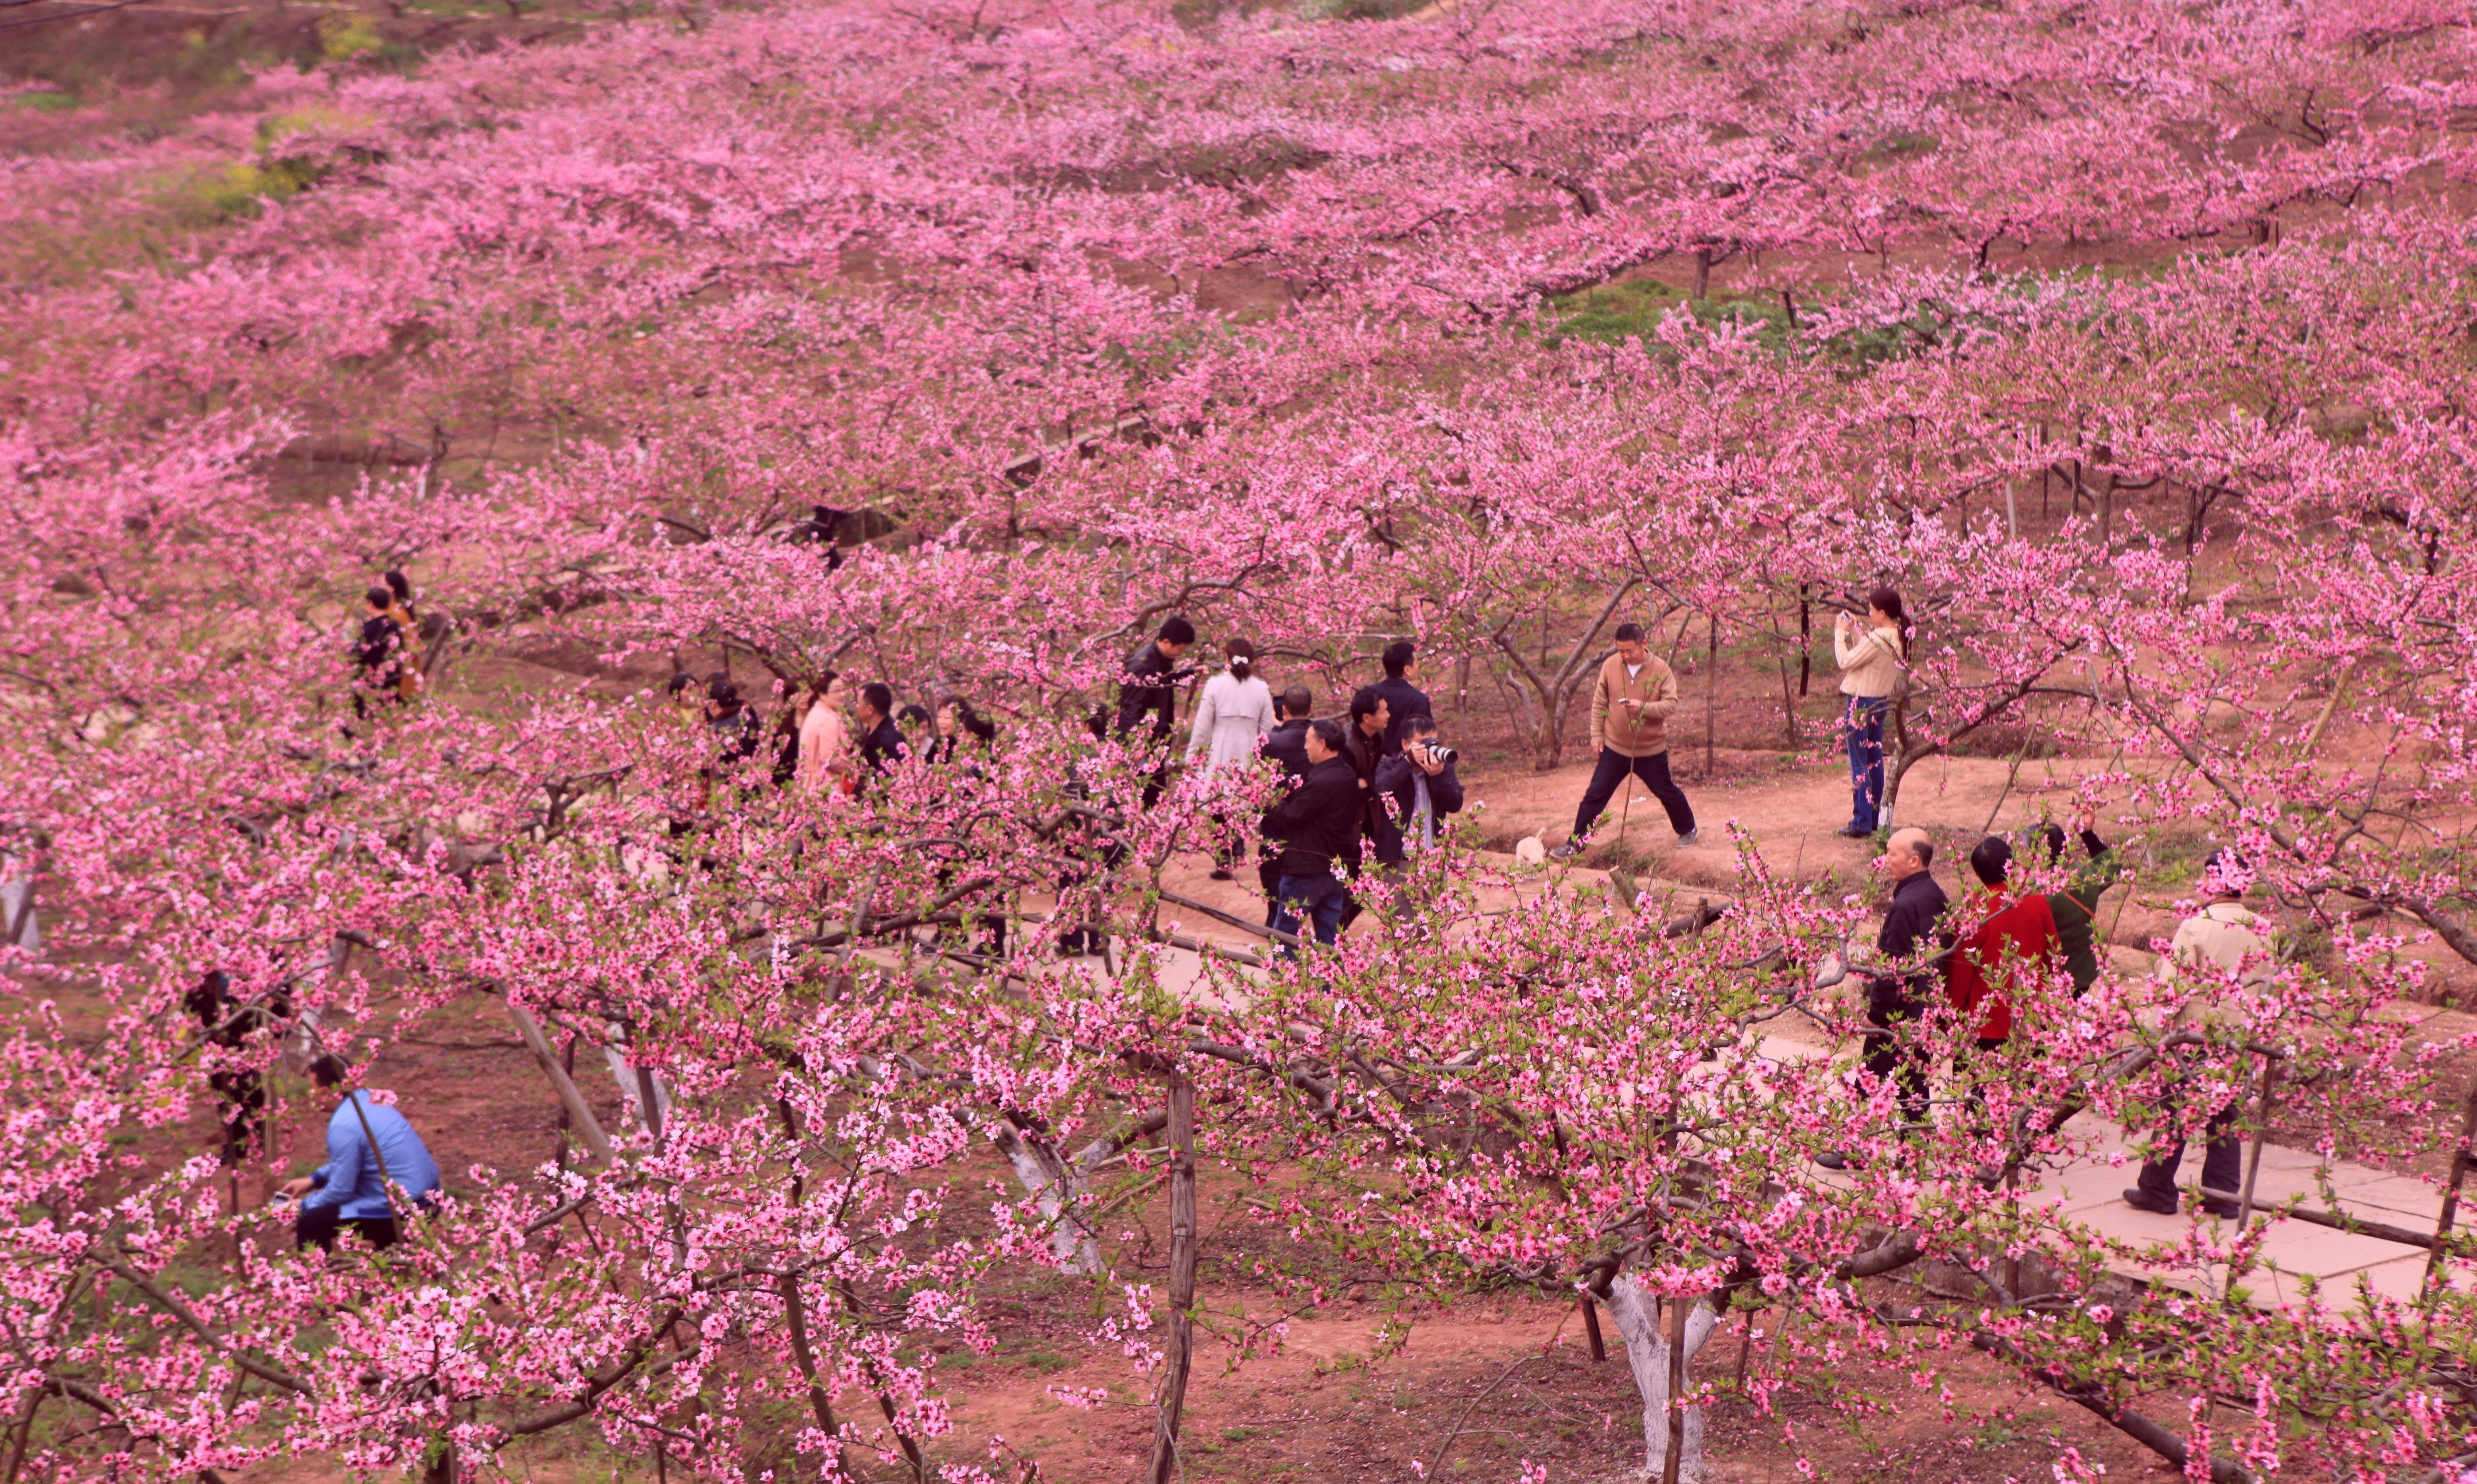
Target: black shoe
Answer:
[[1852, 832], [1833, 1159], [1219, 875], [2224, 1210], [2143, 1200]]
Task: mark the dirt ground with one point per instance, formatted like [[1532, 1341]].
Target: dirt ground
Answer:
[[1487, 1380]]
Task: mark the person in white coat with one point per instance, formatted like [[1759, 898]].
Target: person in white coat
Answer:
[[1235, 710]]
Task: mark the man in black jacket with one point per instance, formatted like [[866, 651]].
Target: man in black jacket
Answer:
[[881, 743], [1286, 745], [1900, 986], [1364, 747], [1314, 824], [1418, 782], [1150, 688], [1403, 700]]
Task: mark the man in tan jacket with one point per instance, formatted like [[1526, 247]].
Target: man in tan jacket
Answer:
[[1630, 704]]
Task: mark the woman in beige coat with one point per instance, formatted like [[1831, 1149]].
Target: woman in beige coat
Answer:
[[1871, 655]]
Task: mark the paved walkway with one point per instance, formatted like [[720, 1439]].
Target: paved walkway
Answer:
[[2090, 1190]]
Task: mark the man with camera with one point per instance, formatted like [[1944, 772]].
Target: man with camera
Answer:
[[1421, 782]]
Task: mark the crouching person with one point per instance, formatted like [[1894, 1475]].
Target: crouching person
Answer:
[[368, 1145]]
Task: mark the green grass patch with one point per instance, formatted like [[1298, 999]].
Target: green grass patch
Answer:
[[46, 101]]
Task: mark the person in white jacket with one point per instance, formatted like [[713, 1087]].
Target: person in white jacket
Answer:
[[1235, 710]]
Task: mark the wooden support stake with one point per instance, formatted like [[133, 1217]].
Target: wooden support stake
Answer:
[[579, 1110], [1172, 1396], [2451, 1196]]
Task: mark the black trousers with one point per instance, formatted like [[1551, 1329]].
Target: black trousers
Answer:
[[1891, 1053], [1652, 770], [2222, 1160], [317, 1226]]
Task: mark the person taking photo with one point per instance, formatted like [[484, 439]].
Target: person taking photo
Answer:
[[1871, 655]]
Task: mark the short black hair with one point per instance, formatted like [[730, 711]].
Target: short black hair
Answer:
[[1176, 630], [1629, 633], [328, 1068], [879, 696], [1991, 861], [915, 713], [1924, 850], [1296, 702], [1364, 703], [1329, 730], [1420, 724], [380, 599], [680, 681], [2051, 839], [722, 691], [1398, 658]]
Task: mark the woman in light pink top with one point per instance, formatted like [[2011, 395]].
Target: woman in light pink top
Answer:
[[825, 741]]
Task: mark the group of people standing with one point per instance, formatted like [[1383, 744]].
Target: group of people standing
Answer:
[[830, 736], [1375, 782], [2024, 938]]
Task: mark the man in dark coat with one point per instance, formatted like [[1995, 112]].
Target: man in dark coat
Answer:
[[881, 742], [1286, 745], [1315, 824], [1418, 788], [1150, 688], [1901, 985], [1403, 699]]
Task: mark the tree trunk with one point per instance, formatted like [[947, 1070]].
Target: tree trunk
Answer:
[[1711, 694], [1647, 1350], [1172, 1395], [1805, 640], [580, 1113]]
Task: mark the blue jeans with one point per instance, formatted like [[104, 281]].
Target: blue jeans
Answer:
[[1863, 726], [1318, 899]]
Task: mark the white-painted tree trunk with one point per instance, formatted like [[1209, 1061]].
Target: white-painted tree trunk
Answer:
[[624, 1072], [1059, 1190], [18, 923], [1646, 1342]]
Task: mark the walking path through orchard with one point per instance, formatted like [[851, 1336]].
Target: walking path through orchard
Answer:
[[2088, 1191]]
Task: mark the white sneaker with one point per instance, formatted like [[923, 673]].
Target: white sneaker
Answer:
[[1692, 836], [1566, 852]]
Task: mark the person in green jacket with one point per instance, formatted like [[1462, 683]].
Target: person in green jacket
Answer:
[[2076, 906]]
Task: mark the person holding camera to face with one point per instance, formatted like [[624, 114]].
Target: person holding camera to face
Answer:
[[1420, 784]]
